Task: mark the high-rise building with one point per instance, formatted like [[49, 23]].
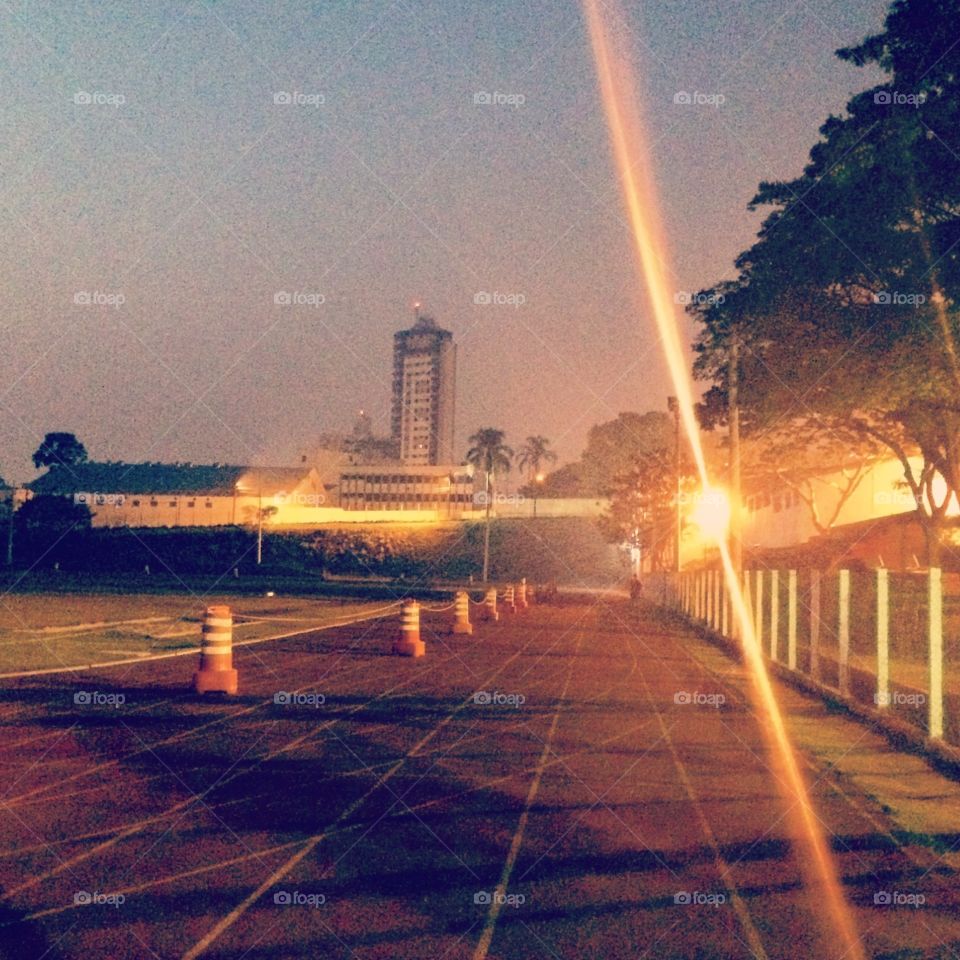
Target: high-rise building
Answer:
[[424, 375]]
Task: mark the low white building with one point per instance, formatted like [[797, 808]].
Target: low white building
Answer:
[[182, 494]]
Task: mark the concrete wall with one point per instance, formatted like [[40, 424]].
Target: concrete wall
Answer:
[[306, 510], [878, 495], [515, 505]]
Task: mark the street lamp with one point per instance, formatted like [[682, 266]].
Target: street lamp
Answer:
[[712, 513], [260, 521], [674, 407], [537, 483], [239, 486]]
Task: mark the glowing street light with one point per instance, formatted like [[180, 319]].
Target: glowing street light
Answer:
[[711, 512]]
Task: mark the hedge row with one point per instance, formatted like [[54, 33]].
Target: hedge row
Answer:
[[565, 550]]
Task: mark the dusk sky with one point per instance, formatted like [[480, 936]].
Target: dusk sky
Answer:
[[179, 193]]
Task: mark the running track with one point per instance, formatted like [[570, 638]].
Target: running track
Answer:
[[405, 819]]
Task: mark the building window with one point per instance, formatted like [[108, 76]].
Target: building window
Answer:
[[136, 503], [191, 503]]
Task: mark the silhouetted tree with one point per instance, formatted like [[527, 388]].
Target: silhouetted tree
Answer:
[[62, 449], [488, 452], [50, 528], [845, 309]]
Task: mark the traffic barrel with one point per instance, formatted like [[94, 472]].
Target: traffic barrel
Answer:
[[508, 600], [490, 605], [409, 644], [461, 610], [216, 673]]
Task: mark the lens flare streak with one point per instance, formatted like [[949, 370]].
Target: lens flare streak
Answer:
[[625, 128]]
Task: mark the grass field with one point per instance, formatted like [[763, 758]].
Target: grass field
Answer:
[[46, 631]]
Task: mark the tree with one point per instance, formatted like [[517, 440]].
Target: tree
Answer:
[[566, 481], [489, 453], [49, 528], [786, 442], [613, 447], [534, 453], [642, 501], [59, 449], [644, 498], [845, 307]]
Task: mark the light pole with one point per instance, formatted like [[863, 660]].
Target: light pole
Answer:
[[674, 407], [260, 520], [13, 508], [486, 531], [733, 417], [239, 486]]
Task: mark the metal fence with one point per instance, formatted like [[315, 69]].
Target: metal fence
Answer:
[[885, 640]]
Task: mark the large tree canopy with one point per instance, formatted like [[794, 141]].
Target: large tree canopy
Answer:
[[845, 309]]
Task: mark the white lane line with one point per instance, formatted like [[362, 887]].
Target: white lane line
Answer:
[[496, 904], [10, 802], [115, 835], [96, 625], [313, 842], [753, 941], [187, 651]]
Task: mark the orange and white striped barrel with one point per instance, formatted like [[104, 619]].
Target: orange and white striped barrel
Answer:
[[490, 605], [522, 594], [216, 673], [409, 644], [508, 600], [461, 611]]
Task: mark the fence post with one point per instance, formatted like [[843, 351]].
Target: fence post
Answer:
[[815, 625], [748, 606], [717, 593], [758, 612], [774, 611], [883, 638], [843, 632], [725, 592], [792, 619], [935, 619]]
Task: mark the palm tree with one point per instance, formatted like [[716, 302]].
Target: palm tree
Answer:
[[489, 453], [533, 454]]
